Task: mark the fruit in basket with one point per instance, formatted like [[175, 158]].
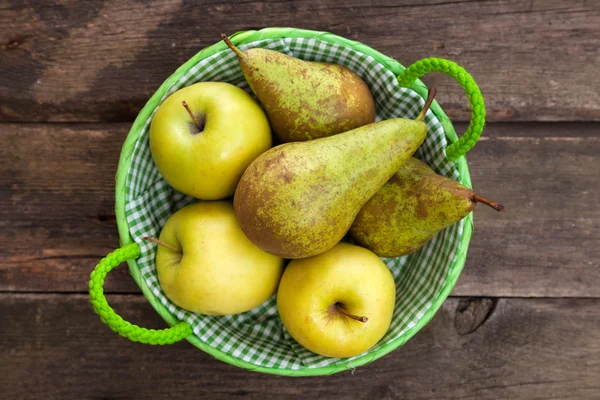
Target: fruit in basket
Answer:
[[204, 136], [206, 265], [411, 208], [306, 100], [339, 303], [299, 199]]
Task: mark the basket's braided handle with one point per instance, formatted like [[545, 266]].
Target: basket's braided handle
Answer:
[[114, 321], [432, 64]]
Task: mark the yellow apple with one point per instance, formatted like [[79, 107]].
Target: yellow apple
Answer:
[[205, 159], [338, 303], [208, 266]]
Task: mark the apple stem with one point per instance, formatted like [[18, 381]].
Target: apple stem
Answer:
[[194, 118], [163, 244], [232, 46], [479, 199], [430, 97], [342, 309]]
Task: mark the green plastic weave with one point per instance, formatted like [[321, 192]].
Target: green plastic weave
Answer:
[[432, 64], [174, 319]]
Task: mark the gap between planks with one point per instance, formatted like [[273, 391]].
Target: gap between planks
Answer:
[[79, 294]]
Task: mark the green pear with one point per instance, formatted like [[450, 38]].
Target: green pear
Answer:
[[410, 209], [299, 199], [305, 100]]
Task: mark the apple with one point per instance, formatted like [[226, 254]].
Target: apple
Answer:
[[206, 264], [203, 137], [338, 303]]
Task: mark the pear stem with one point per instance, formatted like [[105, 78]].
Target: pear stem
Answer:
[[479, 199], [430, 96], [161, 243], [232, 46], [342, 309], [194, 118]]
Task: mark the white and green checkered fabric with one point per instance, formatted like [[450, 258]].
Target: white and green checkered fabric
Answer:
[[258, 337]]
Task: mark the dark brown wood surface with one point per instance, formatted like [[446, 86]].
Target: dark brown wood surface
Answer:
[[98, 61], [523, 321], [529, 349]]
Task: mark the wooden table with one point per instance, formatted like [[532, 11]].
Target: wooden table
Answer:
[[524, 319]]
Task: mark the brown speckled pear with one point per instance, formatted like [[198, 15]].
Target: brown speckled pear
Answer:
[[305, 100], [299, 199], [410, 209]]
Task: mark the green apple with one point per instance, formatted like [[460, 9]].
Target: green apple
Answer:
[[206, 264], [203, 137], [338, 303]]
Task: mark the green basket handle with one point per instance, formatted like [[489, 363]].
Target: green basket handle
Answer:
[[112, 319], [433, 64]]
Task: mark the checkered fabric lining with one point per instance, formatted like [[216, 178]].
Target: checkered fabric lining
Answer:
[[257, 336]]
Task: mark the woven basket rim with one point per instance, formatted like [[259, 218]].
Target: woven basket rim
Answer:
[[136, 129]]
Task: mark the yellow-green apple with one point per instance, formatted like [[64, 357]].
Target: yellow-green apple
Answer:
[[207, 265], [203, 137], [338, 303]]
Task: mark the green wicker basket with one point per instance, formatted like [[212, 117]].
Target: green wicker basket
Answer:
[[257, 340]]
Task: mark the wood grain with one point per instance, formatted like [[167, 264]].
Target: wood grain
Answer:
[[101, 61], [56, 347], [545, 243], [57, 185], [57, 191]]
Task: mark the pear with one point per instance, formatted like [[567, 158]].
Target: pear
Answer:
[[410, 209], [305, 100], [299, 199]]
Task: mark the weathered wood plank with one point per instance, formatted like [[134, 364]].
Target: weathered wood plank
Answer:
[[545, 243], [57, 191], [79, 61], [58, 185], [56, 347]]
